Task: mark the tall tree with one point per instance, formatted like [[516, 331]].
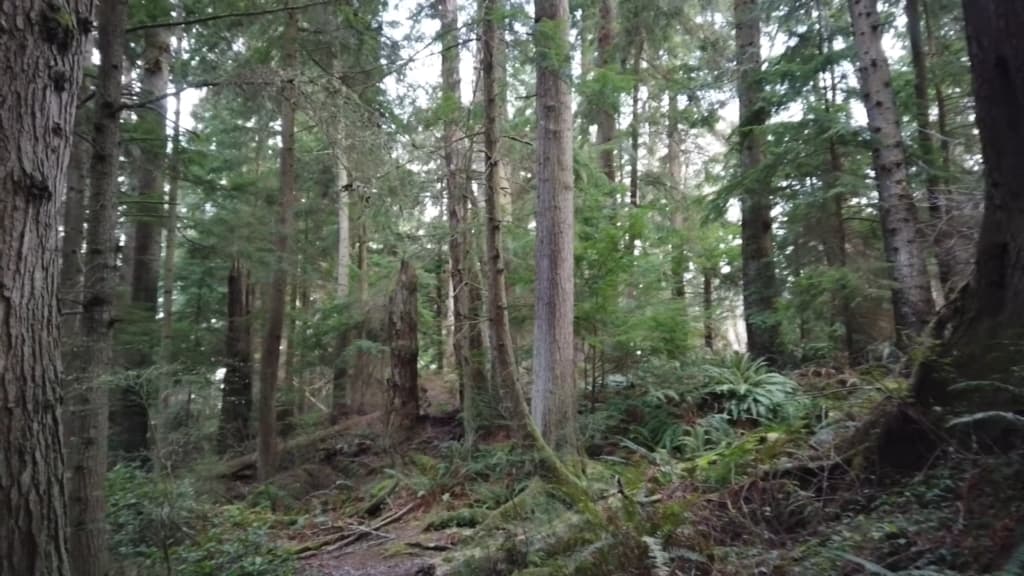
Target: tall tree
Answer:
[[608, 108], [503, 364], [912, 300], [759, 283], [467, 338], [554, 387], [983, 334], [41, 62], [88, 405], [277, 299], [942, 233], [129, 409]]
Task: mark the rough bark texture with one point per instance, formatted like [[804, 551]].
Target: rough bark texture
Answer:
[[759, 285], [554, 387], [980, 329], [607, 111], [277, 300], [41, 62], [503, 364], [72, 267], [403, 333], [912, 300], [236, 400]]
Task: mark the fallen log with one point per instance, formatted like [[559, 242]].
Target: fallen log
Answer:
[[304, 445]]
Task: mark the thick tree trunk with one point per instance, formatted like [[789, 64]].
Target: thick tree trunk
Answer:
[[608, 109], [403, 339], [72, 267], [554, 387], [41, 63], [942, 231], [981, 329], [759, 284], [236, 399], [277, 301], [503, 363], [912, 300]]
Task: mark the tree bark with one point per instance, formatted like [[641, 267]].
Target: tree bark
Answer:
[[403, 385], [277, 300], [607, 110], [980, 329], [912, 300], [554, 387], [236, 399], [88, 406], [503, 363], [41, 63], [759, 284]]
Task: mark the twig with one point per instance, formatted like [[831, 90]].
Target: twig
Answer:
[[224, 16], [349, 537]]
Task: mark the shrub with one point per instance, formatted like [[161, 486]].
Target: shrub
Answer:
[[160, 524]]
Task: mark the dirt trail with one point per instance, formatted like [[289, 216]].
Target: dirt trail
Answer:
[[400, 550]]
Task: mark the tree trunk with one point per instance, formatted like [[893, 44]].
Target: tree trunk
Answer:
[[943, 234], [709, 313], [403, 385], [467, 338], [674, 165], [277, 300], [41, 63], [607, 110], [634, 126], [912, 300], [129, 410], [981, 327], [759, 285], [554, 387], [503, 363], [88, 407], [236, 399], [171, 240], [71, 266]]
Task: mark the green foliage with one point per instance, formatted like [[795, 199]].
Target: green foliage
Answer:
[[164, 525], [746, 389]]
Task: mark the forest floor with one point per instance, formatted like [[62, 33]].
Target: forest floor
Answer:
[[771, 502]]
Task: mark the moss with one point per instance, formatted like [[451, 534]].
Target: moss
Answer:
[[464, 518]]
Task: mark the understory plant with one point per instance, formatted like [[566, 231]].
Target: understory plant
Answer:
[[746, 389]]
